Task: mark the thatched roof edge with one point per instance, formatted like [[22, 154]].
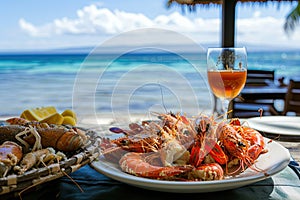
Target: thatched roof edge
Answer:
[[192, 4], [209, 2]]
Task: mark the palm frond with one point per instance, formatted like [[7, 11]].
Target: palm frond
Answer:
[[292, 19]]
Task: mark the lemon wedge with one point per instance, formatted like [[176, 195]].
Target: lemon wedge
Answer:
[[68, 120], [38, 114], [50, 115], [69, 113], [55, 118]]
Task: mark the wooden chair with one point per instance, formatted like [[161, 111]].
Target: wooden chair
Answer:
[[292, 100], [260, 77], [244, 108]]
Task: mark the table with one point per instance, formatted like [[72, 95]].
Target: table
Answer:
[[263, 92], [252, 98], [93, 185], [293, 147]]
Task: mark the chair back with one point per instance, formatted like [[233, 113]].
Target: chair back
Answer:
[[260, 77], [292, 99]]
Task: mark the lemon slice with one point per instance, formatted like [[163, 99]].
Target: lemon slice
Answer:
[[70, 113], [38, 114], [68, 120], [55, 118]]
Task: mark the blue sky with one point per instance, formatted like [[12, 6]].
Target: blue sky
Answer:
[[35, 24]]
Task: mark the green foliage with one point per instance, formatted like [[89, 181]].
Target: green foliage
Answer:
[[292, 19]]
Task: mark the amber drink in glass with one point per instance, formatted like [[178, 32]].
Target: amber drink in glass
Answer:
[[227, 73]]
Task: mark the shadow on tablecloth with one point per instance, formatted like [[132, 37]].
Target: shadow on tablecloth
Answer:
[[284, 185]]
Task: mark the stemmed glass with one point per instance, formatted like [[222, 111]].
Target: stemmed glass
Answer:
[[227, 73]]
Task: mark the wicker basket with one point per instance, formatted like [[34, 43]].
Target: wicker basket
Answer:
[[35, 177]]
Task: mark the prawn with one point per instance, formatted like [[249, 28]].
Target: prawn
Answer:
[[244, 143], [137, 164]]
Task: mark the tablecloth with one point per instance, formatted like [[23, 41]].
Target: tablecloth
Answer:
[[94, 185]]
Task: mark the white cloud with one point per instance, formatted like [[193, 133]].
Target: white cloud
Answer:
[[256, 14], [90, 20], [96, 20], [176, 22], [265, 30], [30, 29]]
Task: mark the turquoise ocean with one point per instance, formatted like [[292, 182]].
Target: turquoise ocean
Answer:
[[132, 83]]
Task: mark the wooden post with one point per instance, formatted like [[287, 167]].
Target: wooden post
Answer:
[[228, 23], [228, 33]]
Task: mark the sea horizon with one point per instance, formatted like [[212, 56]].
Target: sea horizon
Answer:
[[186, 49], [107, 84]]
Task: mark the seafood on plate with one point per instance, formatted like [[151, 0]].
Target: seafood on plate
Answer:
[[243, 143], [176, 147]]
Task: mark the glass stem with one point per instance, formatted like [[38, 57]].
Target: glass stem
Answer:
[[225, 104]]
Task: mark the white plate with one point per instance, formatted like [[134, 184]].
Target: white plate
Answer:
[[271, 163], [279, 125]]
